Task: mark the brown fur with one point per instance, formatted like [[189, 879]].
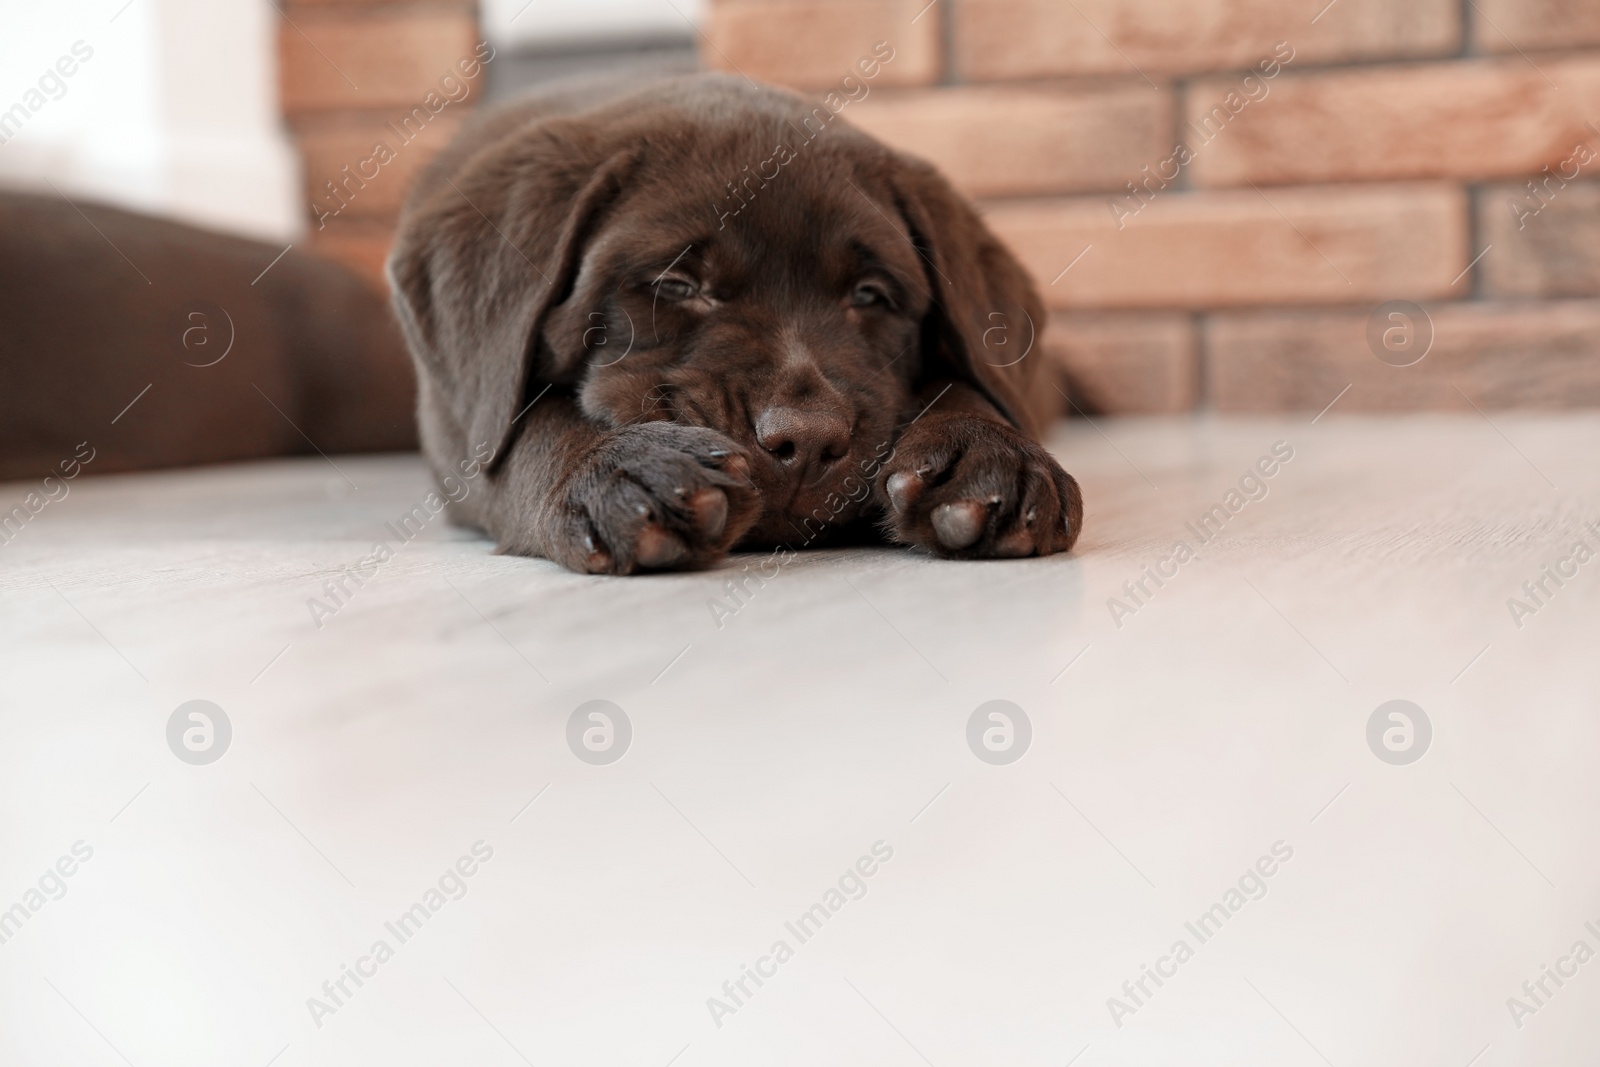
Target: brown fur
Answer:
[[97, 303], [663, 371]]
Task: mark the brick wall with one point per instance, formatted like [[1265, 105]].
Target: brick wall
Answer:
[[371, 89], [1217, 196]]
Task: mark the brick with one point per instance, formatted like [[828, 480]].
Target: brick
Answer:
[[329, 147], [1007, 141], [366, 60], [814, 44], [1473, 119], [1498, 355], [1549, 245], [1506, 25], [361, 245], [997, 40], [1316, 245], [1126, 364]]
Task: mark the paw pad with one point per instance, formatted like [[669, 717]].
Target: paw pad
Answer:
[[961, 523]]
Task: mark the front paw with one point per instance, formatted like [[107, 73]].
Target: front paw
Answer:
[[656, 496], [971, 488]]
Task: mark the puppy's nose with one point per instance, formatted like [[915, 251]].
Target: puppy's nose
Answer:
[[800, 439]]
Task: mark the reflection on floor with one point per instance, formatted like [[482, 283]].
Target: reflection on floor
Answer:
[[1152, 803]]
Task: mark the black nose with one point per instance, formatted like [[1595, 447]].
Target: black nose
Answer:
[[801, 439]]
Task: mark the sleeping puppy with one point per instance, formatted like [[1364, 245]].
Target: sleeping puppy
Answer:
[[703, 316]]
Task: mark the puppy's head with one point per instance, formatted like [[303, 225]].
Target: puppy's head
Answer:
[[719, 256], [784, 312]]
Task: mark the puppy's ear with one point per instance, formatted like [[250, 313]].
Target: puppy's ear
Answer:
[[481, 257], [985, 316]]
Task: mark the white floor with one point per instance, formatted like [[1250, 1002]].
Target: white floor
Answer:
[[1226, 718]]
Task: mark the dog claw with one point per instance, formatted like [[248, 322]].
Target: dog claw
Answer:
[[903, 488], [733, 463], [959, 525], [597, 560]]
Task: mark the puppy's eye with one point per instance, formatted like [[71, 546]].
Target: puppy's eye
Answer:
[[676, 288], [869, 294]]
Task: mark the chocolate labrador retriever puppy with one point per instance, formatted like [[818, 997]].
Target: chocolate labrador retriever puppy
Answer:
[[706, 315]]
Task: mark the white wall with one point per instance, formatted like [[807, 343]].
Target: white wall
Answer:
[[174, 113], [551, 22]]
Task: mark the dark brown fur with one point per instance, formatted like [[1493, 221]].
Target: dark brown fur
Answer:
[[98, 303], [663, 371]]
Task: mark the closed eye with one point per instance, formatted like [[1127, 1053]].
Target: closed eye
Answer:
[[870, 294], [675, 287]]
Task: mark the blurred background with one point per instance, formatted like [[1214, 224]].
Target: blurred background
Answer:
[[1221, 200]]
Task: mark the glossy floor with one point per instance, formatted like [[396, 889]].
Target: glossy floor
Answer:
[[813, 785]]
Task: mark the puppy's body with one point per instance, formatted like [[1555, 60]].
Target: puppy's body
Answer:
[[705, 315]]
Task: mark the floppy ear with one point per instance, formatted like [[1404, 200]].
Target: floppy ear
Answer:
[[483, 253], [985, 317]]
